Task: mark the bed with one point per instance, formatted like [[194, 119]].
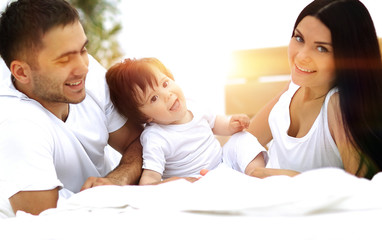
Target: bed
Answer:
[[325, 203]]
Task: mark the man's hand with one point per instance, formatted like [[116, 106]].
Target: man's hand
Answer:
[[127, 172], [125, 141], [98, 181]]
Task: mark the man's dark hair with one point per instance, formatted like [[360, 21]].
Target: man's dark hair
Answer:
[[24, 23]]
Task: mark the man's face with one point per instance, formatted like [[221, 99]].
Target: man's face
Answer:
[[61, 68]]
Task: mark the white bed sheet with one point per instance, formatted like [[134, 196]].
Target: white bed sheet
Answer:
[[319, 204]]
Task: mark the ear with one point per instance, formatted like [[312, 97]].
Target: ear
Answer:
[[21, 71]]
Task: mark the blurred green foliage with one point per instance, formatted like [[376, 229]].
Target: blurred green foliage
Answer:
[[102, 26]]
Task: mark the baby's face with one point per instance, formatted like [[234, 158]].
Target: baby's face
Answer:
[[165, 103]]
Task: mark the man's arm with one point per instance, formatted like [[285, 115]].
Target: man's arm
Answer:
[[34, 202], [129, 169], [126, 141]]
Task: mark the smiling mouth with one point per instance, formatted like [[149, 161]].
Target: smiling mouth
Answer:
[[304, 70], [74, 83], [175, 106]]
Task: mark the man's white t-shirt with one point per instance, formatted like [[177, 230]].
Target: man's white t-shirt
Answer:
[[38, 151]]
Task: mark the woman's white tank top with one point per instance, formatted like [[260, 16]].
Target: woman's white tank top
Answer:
[[316, 149]]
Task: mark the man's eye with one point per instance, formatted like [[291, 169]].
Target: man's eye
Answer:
[[63, 59], [154, 98], [165, 84]]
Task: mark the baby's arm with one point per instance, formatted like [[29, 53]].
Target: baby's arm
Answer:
[[226, 126], [150, 177]]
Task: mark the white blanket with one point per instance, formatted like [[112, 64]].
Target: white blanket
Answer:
[[319, 204]]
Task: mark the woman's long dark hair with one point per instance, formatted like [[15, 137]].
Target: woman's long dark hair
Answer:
[[358, 75]]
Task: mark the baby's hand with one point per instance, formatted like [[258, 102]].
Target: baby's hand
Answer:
[[239, 122]]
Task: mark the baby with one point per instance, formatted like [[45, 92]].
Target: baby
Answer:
[[179, 136]]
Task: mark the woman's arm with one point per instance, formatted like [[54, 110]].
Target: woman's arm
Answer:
[[259, 125]]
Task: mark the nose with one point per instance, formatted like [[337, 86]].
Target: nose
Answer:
[[303, 56], [166, 94], [81, 65]]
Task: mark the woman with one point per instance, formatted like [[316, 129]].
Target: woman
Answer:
[[330, 115]]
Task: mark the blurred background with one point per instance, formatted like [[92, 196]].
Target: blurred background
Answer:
[[222, 52]]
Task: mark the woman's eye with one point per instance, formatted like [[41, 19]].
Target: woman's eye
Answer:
[[298, 38], [322, 49], [165, 84], [154, 98]]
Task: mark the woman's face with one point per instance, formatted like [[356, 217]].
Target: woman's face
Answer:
[[310, 54]]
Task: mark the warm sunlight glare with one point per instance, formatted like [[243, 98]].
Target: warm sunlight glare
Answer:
[[195, 39]]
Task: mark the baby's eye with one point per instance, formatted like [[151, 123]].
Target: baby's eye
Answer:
[[154, 98], [165, 84]]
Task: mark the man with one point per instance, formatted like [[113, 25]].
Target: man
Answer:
[[54, 130]]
